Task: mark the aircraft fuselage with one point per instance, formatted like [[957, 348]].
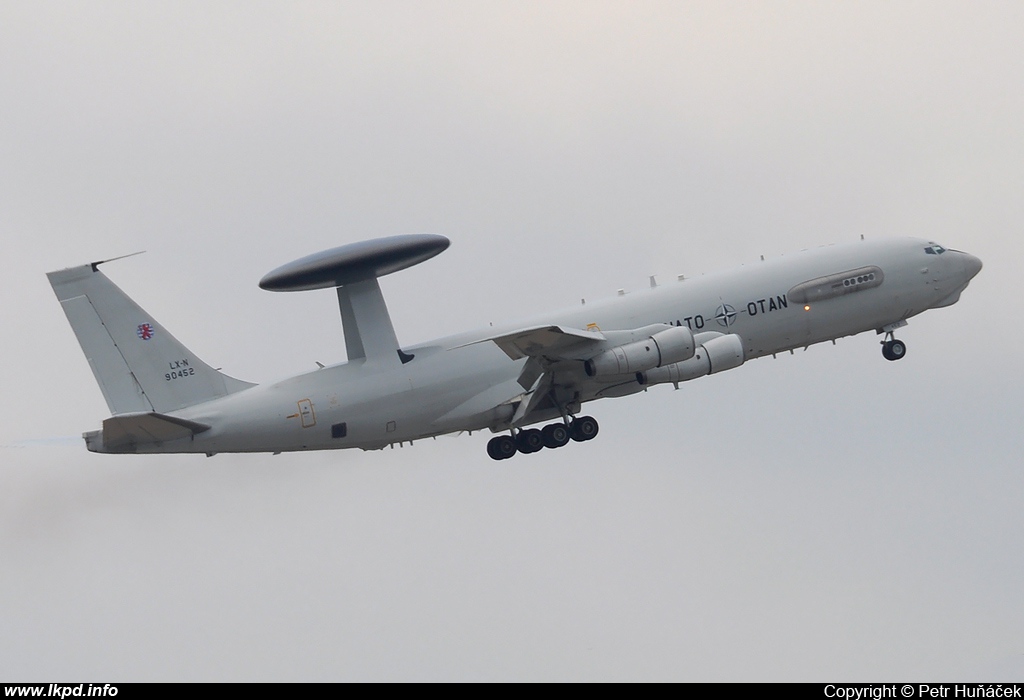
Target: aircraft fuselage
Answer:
[[458, 383]]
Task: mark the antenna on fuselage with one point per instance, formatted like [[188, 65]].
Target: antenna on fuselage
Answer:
[[353, 270], [96, 265]]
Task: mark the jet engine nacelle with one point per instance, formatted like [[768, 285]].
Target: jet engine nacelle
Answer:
[[716, 355], [665, 347]]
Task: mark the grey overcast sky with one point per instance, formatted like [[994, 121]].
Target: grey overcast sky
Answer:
[[822, 516]]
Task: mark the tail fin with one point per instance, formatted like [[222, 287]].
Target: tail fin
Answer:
[[140, 367]]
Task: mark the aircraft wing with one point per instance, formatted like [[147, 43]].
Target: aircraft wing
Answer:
[[547, 342], [555, 356], [553, 375]]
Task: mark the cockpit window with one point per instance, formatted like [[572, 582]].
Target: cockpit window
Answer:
[[935, 249]]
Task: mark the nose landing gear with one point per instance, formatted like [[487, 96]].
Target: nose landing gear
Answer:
[[551, 436], [893, 349]]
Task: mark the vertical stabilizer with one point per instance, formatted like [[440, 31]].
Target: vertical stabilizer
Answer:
[[137, 363]]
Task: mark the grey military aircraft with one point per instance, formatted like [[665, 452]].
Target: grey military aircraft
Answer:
[[164, 399]]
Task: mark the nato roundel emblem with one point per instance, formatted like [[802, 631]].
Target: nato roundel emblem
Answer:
[[145, 331], [725, 315]]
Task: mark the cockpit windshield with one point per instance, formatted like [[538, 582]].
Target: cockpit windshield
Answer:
[[935, 249]]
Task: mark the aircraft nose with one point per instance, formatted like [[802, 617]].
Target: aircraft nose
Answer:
[[972, 265]]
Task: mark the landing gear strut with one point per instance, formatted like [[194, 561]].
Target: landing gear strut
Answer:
[[893, 349], [551, 436]]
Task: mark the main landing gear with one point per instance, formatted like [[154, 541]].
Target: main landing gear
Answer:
[[533, 440], [893, 349]]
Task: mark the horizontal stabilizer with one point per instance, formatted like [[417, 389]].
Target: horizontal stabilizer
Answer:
[[121, 433]]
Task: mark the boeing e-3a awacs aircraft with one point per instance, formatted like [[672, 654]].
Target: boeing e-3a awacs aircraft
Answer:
[[165, 399]]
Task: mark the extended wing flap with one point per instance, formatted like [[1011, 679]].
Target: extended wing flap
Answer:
[[125, 430], [558, 342]]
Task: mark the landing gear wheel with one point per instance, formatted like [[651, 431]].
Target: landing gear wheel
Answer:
[[529, 441], [501, 447], [584, 428], [555, 435], [893, 350]]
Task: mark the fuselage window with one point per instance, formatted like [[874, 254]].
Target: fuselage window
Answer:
[[339, 430], [935, 249]]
